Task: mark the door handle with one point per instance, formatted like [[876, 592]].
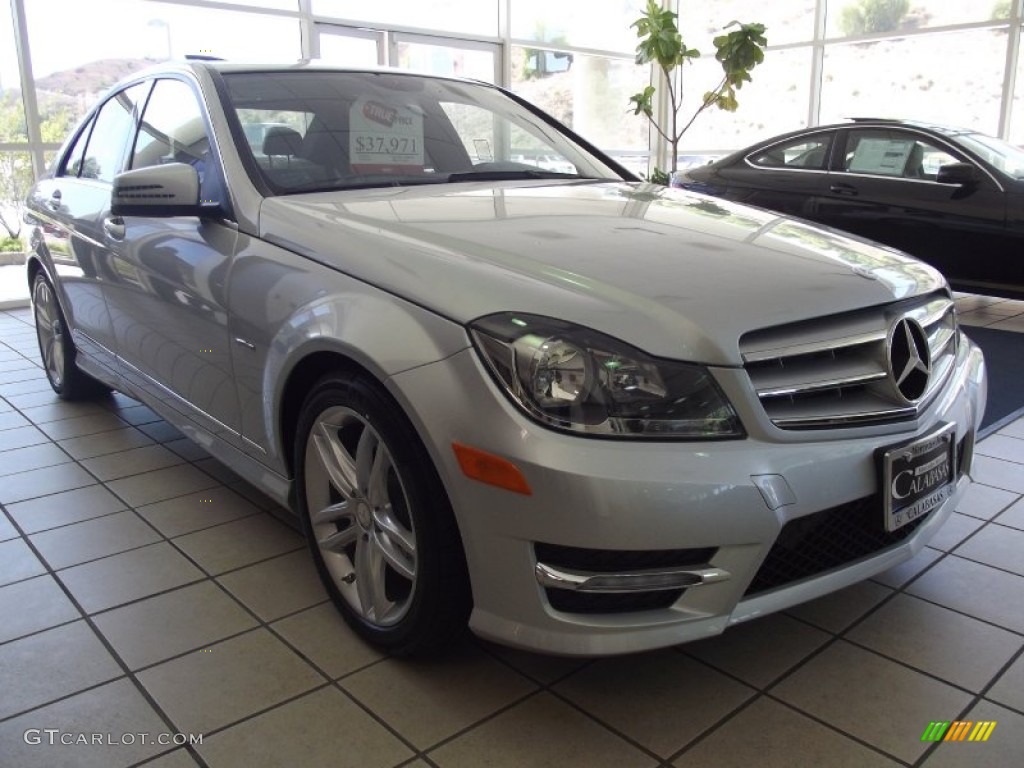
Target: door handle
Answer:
[[114, 228], [843, 189]]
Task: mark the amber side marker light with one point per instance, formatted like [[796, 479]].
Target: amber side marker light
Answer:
[[491, 469]]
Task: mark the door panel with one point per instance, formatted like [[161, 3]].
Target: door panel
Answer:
[[787, 177], [885, 189], [70, 209], [166, 298]]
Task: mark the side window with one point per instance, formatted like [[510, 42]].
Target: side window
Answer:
[[809, 153], [73, 164], [111, 134], [172, 130], [899, 154]]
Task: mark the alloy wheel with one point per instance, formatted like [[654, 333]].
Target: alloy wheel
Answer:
[[359, 514], [50, 332]]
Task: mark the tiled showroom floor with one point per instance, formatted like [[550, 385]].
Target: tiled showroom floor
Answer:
[[146, 591]]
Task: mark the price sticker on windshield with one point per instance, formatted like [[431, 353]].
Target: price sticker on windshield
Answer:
[[384, 138]]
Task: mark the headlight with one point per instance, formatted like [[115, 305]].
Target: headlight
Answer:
[[572, 378]]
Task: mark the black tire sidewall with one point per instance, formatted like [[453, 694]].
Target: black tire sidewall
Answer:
[[63, 390], [421, 629], [75, 383]]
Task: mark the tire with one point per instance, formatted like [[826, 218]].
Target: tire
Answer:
[[377, 519], [56, 348]]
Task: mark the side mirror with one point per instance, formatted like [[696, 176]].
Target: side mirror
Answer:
[[958, 173], [158, 190]]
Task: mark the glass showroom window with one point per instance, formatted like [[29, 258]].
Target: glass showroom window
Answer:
[[897, 77], [774, 102], [12, 110], [1017, 106], [15, 180], [590, 94], [701, 21], [73, 64], [15, 167], [853, 18], [584, 23], [281, 5], [479, 17], [348, 47], [434, 55]]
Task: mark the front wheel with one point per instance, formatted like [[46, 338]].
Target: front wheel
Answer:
[[378, 522]]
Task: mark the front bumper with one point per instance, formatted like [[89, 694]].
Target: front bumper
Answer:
[[721, 503]]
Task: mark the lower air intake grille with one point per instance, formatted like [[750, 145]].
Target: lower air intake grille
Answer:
[[828, 539], [594, 602], [619, 560]]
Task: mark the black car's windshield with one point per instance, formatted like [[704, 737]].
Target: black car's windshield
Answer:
[[1005, 157], [311, 130]]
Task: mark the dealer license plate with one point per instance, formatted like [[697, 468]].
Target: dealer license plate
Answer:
[[918, 476]]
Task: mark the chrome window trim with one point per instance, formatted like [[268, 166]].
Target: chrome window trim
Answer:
[[766, 147], [935, 139]]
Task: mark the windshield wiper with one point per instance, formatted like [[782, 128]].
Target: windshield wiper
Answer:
[[369, 181], [383, 181], [512, 175]]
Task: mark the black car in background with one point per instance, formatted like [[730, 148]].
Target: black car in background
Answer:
[[952, 197]]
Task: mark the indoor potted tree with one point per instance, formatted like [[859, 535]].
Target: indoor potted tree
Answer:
[[661, 44]]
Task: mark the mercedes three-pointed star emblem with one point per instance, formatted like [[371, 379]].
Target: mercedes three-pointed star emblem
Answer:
[[910, 360]]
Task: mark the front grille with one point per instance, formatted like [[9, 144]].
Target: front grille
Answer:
[[616, 561], [825, 540], [833, 371]]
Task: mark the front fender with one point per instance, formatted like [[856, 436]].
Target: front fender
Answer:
[[294, 319]]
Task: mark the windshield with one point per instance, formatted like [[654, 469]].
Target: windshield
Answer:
[[314, 131], [1005, 157]]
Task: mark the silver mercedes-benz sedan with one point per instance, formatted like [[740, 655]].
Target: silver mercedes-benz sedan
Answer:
[[584, 414]]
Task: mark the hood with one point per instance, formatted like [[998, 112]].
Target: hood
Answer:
[[677, 274]]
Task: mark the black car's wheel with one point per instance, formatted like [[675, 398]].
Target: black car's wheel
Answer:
[[377, 518], [56, 348]]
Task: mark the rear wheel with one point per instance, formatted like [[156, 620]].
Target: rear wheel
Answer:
[[56, 348], [377, 518]]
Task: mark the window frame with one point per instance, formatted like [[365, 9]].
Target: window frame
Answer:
[[81, 138], [129, 140]]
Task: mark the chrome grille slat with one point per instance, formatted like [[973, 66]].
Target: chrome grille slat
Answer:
[[848, 420], [939, 340], [811, 348], [833, 372], [793, 380]]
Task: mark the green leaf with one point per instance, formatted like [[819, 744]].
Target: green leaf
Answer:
[[643, 101]]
